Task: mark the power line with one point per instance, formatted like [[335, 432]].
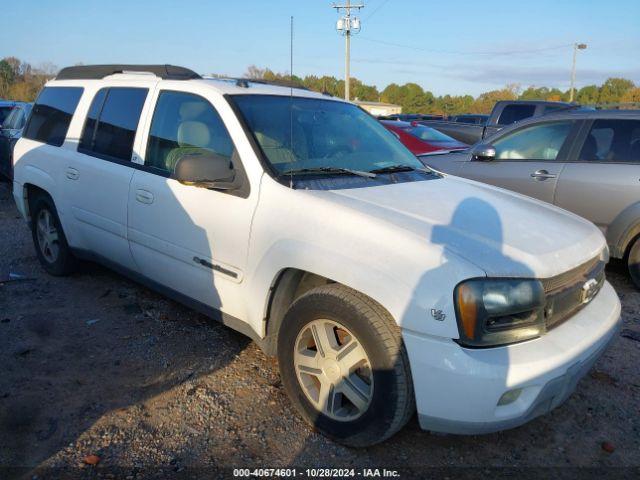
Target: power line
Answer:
[[453, 52], [376, 9]]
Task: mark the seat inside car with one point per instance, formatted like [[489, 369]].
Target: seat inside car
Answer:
[[272, 137], [193, 135], [590, 149]]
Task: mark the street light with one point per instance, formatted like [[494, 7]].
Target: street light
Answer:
[[576, 47]]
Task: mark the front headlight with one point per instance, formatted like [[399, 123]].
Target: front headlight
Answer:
[[493, 312]]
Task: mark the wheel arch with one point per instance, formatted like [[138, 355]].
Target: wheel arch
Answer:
[[30, 191], [288, 285], [623, 230]]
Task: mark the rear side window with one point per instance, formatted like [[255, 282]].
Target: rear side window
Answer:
[[515, 113], [112, 121], [51, 115], [616, 141]]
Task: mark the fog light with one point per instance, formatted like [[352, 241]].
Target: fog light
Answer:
[[509, 397]]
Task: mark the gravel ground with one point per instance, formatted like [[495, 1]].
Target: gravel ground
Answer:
[[94, 364]]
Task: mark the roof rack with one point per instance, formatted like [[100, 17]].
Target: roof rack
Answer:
[[244, 83], [97, 72]]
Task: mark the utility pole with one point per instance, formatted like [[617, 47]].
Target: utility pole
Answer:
[[347, 25], [576, 47]]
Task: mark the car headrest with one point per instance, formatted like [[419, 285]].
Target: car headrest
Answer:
[[192, 110], [194, 134], [589, 149]]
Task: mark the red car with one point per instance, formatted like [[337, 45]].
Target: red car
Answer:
[[420, 139]]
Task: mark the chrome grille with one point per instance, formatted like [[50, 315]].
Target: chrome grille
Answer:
[[569, 292], [570, 277]]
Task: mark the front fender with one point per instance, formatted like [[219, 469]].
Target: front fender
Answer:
[[408, 292], [623, 229]]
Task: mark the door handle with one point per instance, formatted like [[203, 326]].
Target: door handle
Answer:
[[72, 173], [144, 197], [542, 175]]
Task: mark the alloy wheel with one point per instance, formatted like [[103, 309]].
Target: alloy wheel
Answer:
[[333, 370], [47, 233]]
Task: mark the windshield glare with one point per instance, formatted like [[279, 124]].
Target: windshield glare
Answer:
[[306, 133]]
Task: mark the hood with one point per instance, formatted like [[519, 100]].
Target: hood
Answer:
[[501, 232]]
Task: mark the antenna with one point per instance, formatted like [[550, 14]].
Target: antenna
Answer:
[[291, 99]]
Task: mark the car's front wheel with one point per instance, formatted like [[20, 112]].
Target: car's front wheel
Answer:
[[344, 366], [48, 237], [633, 262]]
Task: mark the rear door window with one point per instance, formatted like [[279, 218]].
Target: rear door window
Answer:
[[515, 113], [112, 121], [52, 113], [612, 140]]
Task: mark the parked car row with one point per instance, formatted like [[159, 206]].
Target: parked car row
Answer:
[[11, 127], [586, 161], [382, 286], [471, 128], [421, 140], [411, 117], [504, 113]]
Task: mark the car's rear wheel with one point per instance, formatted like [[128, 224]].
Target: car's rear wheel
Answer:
[[633, 262], [344, 366], [48, 237]]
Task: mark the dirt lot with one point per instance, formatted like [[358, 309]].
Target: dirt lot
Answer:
[[95, 364]]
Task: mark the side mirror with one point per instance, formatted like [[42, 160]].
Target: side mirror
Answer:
[[205, 169], [483, 152]]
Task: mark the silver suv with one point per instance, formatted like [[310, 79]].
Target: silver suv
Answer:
[[586, 161]]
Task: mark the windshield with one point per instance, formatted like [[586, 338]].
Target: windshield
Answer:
[[429, 134], [306, 133]]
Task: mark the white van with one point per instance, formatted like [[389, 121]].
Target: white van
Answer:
[[299, 220]]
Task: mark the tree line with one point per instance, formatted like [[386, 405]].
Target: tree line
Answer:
[[21, 81], [414, 99]]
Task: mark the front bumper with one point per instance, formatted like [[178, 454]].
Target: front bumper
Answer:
[[458, 389]]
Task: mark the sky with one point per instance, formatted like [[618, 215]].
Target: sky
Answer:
[[446, 46]]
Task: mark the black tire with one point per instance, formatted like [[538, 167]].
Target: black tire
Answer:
[[392, 402], [633, 262], [63, 263]]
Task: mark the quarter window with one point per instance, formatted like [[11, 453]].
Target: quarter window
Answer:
[[112, 121], [52, 113], [541, 141], [184, 123], [612, 141], [515, 113]]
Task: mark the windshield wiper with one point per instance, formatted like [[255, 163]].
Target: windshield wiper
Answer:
[[401, 168], [330, 170]]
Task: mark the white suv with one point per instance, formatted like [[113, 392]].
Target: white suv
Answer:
[[299, 220]]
